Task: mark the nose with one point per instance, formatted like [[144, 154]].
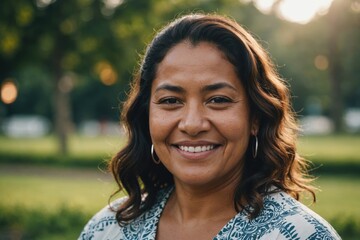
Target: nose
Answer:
[[194, 120]]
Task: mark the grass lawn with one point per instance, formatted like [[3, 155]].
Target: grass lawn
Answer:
[[102, 146], [327, 148], [338, 197], [331, 148], [50, 188]]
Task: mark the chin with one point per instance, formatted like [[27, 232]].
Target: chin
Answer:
[[195, 179]]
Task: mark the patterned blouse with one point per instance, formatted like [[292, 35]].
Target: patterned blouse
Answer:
[[281, 218]]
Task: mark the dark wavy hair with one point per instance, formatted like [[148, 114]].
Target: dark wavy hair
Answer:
[[277, 165]]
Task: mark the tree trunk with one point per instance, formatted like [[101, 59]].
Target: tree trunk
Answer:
[[335, 75], [62, 110], [62, 117]]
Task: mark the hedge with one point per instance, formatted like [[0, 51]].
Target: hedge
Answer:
[[319, 166]]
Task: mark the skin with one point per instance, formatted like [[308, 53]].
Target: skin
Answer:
[[198, 102]]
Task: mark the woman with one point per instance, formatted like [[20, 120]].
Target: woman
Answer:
[[211, 151]]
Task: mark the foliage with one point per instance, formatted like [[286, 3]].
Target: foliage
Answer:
[[22, 223], [54, 160], [72, 61], [348, 228], [81, 39], [318, 165]]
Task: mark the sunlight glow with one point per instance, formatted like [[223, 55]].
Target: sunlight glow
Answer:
[[302, 11], [113, 3], [264, 5], [299, 11], [44, 3]]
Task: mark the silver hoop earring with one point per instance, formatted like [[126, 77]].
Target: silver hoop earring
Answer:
[[153, 157], [255, 149]]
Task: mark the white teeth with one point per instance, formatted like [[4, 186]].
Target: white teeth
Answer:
[[196, 149]]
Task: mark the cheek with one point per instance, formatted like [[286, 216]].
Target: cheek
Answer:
[[237, 134], [234, 128], [160, 124], [153, 127], [238, 138]]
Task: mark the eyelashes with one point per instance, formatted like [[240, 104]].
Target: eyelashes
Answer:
[[168, 101], [216, 100], [220, 100]]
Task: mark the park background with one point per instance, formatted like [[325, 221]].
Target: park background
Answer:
[[65, 67]]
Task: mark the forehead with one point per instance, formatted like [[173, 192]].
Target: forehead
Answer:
[[202, 58], [194, 66], [193, 54]]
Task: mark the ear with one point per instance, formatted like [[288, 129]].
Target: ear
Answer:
[[255, 124]]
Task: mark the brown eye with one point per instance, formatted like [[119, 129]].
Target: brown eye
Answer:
[[219, 100], [169, 101]]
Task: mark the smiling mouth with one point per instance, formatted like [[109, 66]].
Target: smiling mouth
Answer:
[[197, 149]]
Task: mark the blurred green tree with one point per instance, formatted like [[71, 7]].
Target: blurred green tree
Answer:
[[343, 51], [81, 53], [74, 43]]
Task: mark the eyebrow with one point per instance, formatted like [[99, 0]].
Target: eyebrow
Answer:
[[207, 88], [171, 88], [217, 86]]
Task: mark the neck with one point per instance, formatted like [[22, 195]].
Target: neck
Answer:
[[191, 203]]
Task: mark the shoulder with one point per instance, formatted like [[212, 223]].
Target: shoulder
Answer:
[[293, 220], [103, 225], [282, 217]]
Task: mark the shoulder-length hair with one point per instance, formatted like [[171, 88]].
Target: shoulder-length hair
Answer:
[[277, 165]]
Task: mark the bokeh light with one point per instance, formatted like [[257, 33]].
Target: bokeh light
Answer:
[[106, 72], [9, 41], [9, 92], [355, 7], [264, 5], [321, 62]]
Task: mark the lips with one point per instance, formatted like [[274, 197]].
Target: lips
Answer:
[[196, 147]]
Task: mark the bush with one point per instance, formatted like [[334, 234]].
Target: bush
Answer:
[[319, 166], [52, 160], [347, 227], [67, 223], [22, 223]]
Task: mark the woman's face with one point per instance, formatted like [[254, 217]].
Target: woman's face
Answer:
[[199, 116]]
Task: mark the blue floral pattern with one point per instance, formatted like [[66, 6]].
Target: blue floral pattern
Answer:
[[282, 217]]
